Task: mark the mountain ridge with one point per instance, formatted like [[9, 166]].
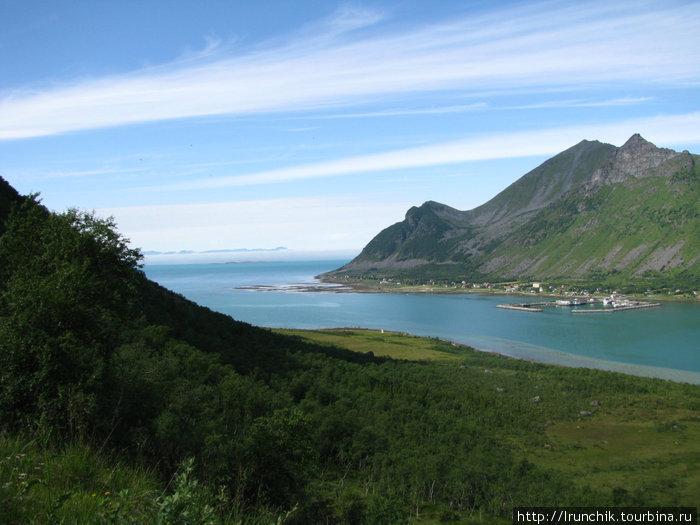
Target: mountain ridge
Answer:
[[594, 209]]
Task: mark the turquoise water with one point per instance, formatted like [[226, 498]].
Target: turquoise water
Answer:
[[661, 342]]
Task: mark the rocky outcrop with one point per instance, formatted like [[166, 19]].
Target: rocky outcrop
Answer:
[[638, 158]]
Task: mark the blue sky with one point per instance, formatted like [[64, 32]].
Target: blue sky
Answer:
[[313, 125]]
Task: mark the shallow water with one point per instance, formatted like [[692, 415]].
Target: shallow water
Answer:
[[660, 342]]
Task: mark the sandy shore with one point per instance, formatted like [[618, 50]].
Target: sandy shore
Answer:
[[300, 288], [555, 357]]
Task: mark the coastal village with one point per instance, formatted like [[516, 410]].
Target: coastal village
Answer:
[[566, 295], [580, 300]]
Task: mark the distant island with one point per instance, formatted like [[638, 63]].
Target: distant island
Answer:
[[225, 250], [595, 214]]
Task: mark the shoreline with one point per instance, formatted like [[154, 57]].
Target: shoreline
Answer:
[[510, 349], [547, 356], [364, 288], [350, 287]]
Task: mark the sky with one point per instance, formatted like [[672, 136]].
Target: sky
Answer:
[[240, 125]]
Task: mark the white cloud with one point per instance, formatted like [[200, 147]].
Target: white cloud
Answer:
[[543, 45], [402, 112], [664, 130], [627, 101], [480, 106], [305, 223]]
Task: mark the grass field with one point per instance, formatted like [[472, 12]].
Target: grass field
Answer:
[[631, 443], [395, 345]]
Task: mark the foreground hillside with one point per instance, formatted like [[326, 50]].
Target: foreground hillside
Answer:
[[122, 402], [591, 212]]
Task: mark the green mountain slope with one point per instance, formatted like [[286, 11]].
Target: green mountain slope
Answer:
[[593, 210]]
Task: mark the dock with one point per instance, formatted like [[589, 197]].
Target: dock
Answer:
[[613, 310], [526, 307], [537, 307]]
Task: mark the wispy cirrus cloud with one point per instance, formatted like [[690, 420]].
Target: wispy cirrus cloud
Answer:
[[402, 112], [482, 106], [342, 61], [578, 103], [664, 130]]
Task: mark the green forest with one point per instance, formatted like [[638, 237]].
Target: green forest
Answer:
[[123, 402]]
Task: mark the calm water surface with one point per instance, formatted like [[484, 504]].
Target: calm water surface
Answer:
[[662, 342]]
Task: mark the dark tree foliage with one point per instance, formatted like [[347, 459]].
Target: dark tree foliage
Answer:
[[65, 282], [8, 197], [278, 457]]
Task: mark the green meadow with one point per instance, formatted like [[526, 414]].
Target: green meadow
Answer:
[[384, 344]]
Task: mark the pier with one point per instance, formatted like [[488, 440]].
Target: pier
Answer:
[[614, 309], [526, 307], [537, 307]]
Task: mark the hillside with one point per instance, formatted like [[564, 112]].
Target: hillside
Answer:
[[123, 402], [8, 196], [592, 211]]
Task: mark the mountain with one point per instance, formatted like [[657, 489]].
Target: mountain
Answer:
[[592, 211]]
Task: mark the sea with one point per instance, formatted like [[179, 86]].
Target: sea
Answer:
[[661, 342]]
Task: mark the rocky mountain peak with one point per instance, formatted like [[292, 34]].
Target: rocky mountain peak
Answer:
[[638, 143], [636, 158], [640, 158]]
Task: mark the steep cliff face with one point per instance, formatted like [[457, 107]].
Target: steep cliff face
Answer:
[[591, 209]]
